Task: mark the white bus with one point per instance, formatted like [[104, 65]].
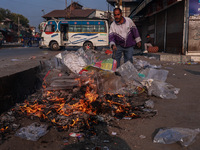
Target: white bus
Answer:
[[86, 33]]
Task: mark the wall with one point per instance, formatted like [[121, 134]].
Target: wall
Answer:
[[175, 22], [194, 34], [160, 28]]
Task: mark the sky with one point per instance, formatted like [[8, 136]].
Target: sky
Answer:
[[32, 9]]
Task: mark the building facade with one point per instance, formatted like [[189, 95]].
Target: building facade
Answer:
[[171, 23], [127, 6], [75, 10]]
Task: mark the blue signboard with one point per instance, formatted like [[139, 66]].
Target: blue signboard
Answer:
[[194, 7]]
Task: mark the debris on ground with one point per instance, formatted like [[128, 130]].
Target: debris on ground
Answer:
[[82, 90], [184, 136], [32, 132]]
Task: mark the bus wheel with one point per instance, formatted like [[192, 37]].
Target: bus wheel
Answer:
[[54, 46], [87, 46]]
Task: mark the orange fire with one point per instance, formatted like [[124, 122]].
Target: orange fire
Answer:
[[83, 106], [3, 129]]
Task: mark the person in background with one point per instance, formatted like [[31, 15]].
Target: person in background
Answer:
[[123, 36], [149, 43]]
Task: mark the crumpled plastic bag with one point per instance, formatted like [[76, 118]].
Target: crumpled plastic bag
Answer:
[[141, 64], [183, 135], [161, 89], [109, 83], [32, 132], [155, 74], [106, 65], [76, 61], [129, 73]]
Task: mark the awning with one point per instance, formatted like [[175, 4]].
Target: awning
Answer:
[[168, 3], [140, 7]]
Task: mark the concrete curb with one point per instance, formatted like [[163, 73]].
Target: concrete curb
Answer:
[[11, 45], [173, 57]]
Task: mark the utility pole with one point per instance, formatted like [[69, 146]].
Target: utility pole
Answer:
[[117, 3], [43, 13], [120, 4], [18, 31], [66, 3], [71, 6]]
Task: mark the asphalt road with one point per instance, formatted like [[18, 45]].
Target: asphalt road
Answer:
[[14, 60]]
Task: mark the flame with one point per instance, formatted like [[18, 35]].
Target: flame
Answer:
[[84, 105], [120, 96], [35, 109], [3, 129]]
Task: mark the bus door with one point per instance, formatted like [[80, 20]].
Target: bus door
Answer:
[[64, 33]]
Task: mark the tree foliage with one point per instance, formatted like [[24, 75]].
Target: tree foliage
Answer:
[[5, 13]]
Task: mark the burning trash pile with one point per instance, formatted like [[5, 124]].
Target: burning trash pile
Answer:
[[81, 91]]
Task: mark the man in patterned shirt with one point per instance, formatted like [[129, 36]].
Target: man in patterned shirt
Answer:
[[123, 37]]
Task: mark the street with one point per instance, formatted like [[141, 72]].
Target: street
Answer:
[[22, 57], [130, 134], [117, 75]]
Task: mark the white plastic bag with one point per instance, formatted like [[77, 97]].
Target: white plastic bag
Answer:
[[163, 90], [32, 132], [183, 135]]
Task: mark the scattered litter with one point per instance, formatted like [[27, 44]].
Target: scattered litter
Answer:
[[185, 74], [149, 104], [152, 57], [107, 64], [169, 68], [161, 89], [32, 57], [127, 118], [183, 135], [105, 148], [15, 60], [114, 133], [142, 136], [32, 132], [191, 63], [75, 135], [155, 74], [108, 52], [128, 72], [76, 61], [106, 141]]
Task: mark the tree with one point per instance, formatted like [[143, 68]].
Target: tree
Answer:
[[5, 13]]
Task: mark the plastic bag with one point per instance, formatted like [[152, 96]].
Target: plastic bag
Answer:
[[155, 74], [163, 90], [183, 135], [141, 64], [32, 132], [109, 83], [107, 65], [129, 73], [76, 61]]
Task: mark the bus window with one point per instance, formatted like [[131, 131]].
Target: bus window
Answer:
[[102, 28], [71, 28], [96, 28], [84, 28], [78, 28], [50, 28], [90, 28]]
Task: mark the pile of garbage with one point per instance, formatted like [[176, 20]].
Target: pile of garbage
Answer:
[[128, 79]]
